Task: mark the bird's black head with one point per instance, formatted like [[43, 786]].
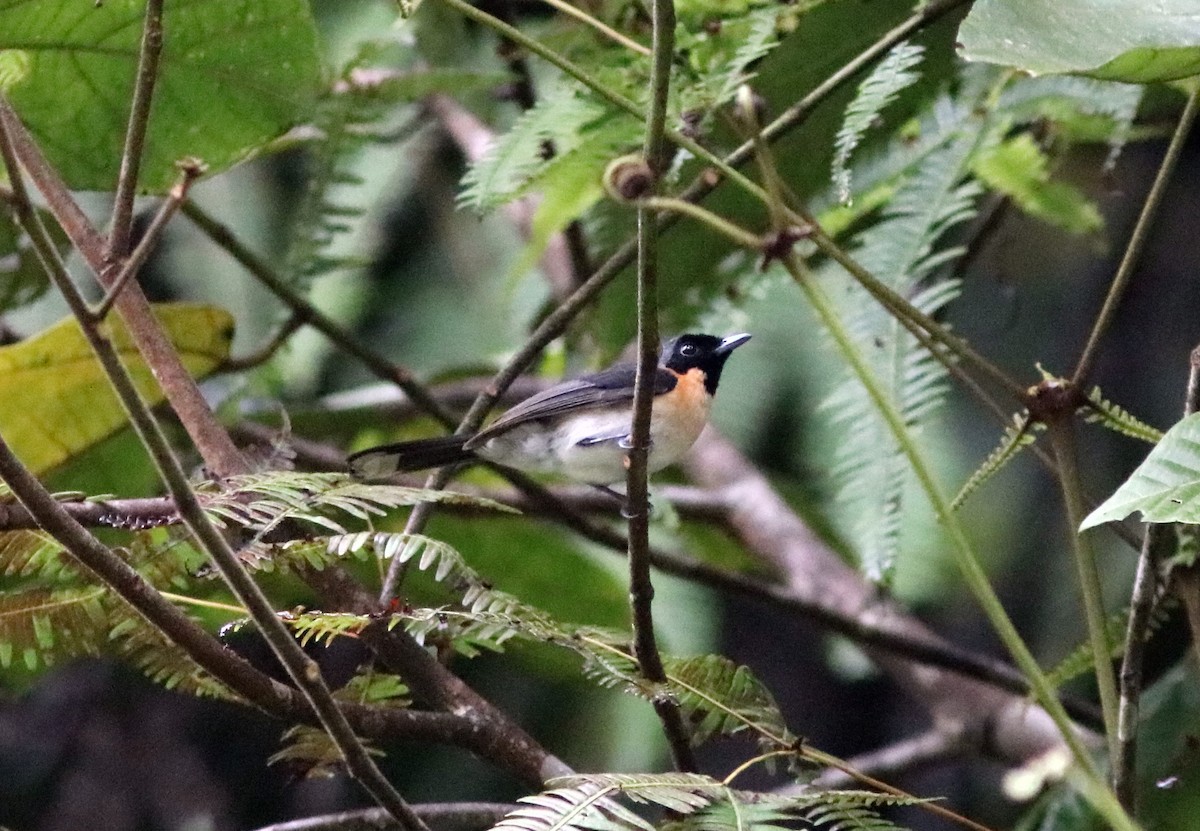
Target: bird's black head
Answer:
[[704, 352]]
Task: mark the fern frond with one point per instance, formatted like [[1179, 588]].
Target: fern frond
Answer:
[[879, 89], [761, 35], [1081, 659], [560, 116], [261, 501], [1069, 99], [901, 250], [40, 626], [33, 554], [718, 696], [143, 646], [1019, 434], [1103, 412], [679, 792], [582, 807], [311, 750]]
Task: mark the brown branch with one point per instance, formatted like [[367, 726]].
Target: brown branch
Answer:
[[1143, 600], [276, 699], [135, 133], [309, 314], [441, 816], [1000, 723], [219, 453]]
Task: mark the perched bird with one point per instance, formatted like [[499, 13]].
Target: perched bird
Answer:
[[580, 429]]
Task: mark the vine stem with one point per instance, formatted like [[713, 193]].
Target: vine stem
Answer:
[[964, 554], [637, 498], [1062, 437], [1137, 240]]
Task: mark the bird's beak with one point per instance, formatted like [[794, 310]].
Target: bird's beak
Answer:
[[731, 343]]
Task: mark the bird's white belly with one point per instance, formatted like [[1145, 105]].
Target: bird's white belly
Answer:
[[588, 447]]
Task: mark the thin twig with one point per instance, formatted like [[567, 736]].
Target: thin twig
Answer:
[[267, 351], [1062, 437], [311, 315], [135, 132], [599, 25], [1142, 602], [637, 501], [189, 172], [1137, 240], [441, 816], [828, 760], [904, 756]]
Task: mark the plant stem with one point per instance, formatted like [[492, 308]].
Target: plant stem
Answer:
[[220, 454], [829, 760], [965, 557], [131, 264], [1062, 436], [599, 25], [1142, 602], [1137, 240], [262, 271], [135, 132], [637, 499]]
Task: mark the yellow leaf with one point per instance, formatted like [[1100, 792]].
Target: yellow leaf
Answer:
[[55, 400]]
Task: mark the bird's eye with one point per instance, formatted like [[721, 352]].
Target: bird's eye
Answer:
[[688, 350]]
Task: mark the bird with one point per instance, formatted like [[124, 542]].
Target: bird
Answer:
[[580, 429]]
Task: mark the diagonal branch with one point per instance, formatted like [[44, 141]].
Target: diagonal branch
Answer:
[[135, 132]]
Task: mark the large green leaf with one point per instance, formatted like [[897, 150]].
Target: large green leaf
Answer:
[[234, 75], [1165, 487], [1117, 40], [55, 400]]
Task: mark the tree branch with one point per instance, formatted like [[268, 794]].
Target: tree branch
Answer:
[[135, 133], [1137, 240], [1142, 601]]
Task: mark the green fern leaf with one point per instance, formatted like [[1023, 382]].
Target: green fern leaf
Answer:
[[143, 646], [33, 554], [1116, 418], [260, 501], [506, 169], [755, 34], [311, 750], [582, 807], [879, 89], [1081, 659], [1018, 435], [719, 697], [1083, 109], [39, 626], [932, 198]]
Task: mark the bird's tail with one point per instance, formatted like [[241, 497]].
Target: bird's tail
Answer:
[[408, 456]]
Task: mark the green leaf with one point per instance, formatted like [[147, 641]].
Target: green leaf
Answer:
[[1019, 169], [719, 697], [1117, 40], [506, 168], [55, 400], [893, 74], [1165, 487], [234, 75]]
